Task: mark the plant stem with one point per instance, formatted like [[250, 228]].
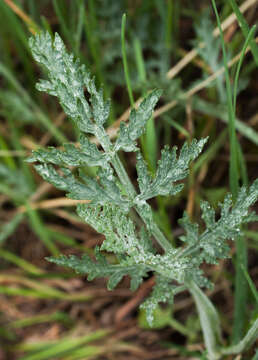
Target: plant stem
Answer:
[[247, 341], [124, 178], [208, 315], [209, 321]]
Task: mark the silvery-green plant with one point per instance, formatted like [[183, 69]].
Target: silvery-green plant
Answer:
[[115, 202]]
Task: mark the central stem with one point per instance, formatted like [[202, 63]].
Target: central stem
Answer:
[[125, 180], [205, 308]]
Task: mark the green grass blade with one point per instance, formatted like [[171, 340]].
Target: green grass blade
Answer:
[[79, 28], [64, 27], [23, 264], [169, 24], [84, 353], [63, 346], [125, 64], [248, 40], [9, 228], [149, 139], [251, 284], [176, 126], [220, 112], [233, 172], [7, 159], [245, 29], [240, 299], [43, 118], [211, 152], [39, 228], [46, 25], [242, 166], [139, 60], [40, 319]]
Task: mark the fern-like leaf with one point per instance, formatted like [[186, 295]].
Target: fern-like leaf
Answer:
[[137, 122], [170, 170], [101, 268], [86, 155], [211, 245]]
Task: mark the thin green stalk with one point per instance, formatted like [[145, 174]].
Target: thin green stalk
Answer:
[[209, 321], [233, 171], [240, 298], [180, 328], [242, 166], [248, 40], [39, 229], [220, 112], [46, 25], [169, 24], [7, 159], [40, 319], [126, 70], [122, 174], [251, 285], [79, 29], [245, 343], [149, 140], [63, 346], [139, 60], [176, 125], [15, 133], [245, 29], [39, 115], [13, 28], [150, 144], [9, 228], [25, 265], [209, 154], [62, 21], [86, 353], [241, 255], [93, 44], [33, 9]]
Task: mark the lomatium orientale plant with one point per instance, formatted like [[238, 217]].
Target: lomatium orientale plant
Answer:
[[114, 199]]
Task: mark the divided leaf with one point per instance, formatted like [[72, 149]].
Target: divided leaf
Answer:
[[101, 268], [137, 121], [67, 81], [170, 170], [192, 230], [87, 155], [213, 240], [211, 245], [162, 291], [144, 179], [90, 189], [118, 228], [211, 52]]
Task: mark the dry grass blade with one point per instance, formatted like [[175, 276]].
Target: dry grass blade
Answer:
[[194, 52], [182, 63], [33, 28], [53, 203], [200, 86], [112, 130]]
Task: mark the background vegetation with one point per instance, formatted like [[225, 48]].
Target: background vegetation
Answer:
[[50, 313]]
